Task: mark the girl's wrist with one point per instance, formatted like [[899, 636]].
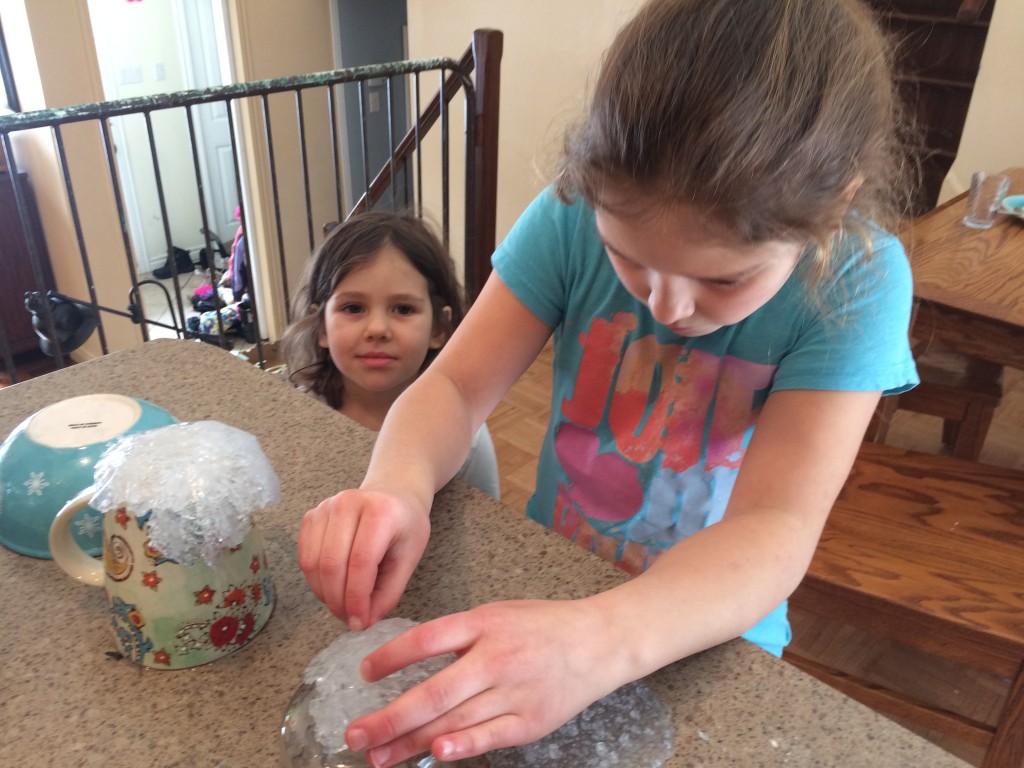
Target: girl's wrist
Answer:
[[619, 653], [399, 488]]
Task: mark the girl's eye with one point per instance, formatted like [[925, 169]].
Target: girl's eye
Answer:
[[351, 309], [619, 258], [726, 284], [404, 309]]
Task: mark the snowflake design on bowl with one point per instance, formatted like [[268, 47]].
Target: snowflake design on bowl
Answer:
[[88, 525], [36, 483]]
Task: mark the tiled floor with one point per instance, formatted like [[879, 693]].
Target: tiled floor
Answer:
[[158, 303]]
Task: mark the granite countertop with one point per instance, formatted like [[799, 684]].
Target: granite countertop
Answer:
[[65, 702]]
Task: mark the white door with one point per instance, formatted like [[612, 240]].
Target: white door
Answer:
[[216, 160], [146, 49]]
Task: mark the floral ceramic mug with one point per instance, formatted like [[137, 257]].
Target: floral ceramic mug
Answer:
[[166, 614]]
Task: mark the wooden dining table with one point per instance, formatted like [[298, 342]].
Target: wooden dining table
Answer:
[[66, 700], [969, 283]]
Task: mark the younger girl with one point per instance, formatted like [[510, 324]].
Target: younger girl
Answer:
[[378, 301], [726, 312]]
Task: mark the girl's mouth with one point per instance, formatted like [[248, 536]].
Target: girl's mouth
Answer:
[[375, 359]]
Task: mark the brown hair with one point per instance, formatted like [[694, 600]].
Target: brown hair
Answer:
[[759, 112], [349, 246]]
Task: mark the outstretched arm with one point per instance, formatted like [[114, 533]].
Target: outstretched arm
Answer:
[[525, 667], [359, 548]]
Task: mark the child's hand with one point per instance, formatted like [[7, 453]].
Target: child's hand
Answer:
[[524, 668], [358, 550]]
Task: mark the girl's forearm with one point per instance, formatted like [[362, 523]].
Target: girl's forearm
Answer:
[[424, 439], [706, 590], [429, 430]]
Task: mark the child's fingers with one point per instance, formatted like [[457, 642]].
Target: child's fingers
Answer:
[[456, 697], [396, 569], [448, 634], [386, 550], [407, 725], [506, 730], [357, 556], [392, 577], [367, 573], [483, 719], [343, 519], [512, 683], [311, 534]]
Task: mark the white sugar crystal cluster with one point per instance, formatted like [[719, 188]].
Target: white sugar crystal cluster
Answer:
[[200, 482], [628, 728], [340, 694]]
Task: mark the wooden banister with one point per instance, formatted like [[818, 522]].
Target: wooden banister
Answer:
[[487, 51], [483, 56], [407, 145]]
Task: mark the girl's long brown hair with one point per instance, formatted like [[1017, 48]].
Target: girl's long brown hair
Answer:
[[761, 113], [349, 246]]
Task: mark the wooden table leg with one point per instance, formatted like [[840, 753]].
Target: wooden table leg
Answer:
[[1007, 747]]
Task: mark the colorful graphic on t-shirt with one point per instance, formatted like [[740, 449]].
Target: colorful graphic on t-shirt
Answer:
[[657, 425], [654, 415]]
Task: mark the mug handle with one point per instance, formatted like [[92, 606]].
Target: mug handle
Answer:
[[72, 559]]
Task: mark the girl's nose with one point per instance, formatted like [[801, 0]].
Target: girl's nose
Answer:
[[671, 299], [378, 324]]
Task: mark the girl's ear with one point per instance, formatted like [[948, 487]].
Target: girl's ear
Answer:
[[838, 210], [440, 328], [851, 189]]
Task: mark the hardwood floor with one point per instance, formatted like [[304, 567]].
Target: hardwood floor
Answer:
[[27, 365], [517, 427]]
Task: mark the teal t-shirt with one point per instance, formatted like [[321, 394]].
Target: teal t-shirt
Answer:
[[648, 428]]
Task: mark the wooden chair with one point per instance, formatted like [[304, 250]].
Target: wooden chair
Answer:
[[925, 552], [937, 62], [963, 391]]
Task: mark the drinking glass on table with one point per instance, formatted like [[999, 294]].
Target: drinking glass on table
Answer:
[[987, 192]]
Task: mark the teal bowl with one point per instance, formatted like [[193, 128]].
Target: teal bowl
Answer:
[[49, 458]]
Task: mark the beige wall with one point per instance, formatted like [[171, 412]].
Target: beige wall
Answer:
[[273, 39], [551, 51], [553, 48], [993, 136]]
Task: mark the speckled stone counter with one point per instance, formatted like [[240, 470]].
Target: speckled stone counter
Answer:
[[64, 702]]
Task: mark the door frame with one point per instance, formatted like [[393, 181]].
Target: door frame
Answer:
[[188, 52]]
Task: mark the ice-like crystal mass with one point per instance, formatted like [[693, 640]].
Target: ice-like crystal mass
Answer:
[[341, 695], [200, 481], [628, 728]]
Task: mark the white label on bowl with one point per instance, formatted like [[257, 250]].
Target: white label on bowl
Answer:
[[84, 420]]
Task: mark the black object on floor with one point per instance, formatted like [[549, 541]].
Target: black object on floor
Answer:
[[182, 260]]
